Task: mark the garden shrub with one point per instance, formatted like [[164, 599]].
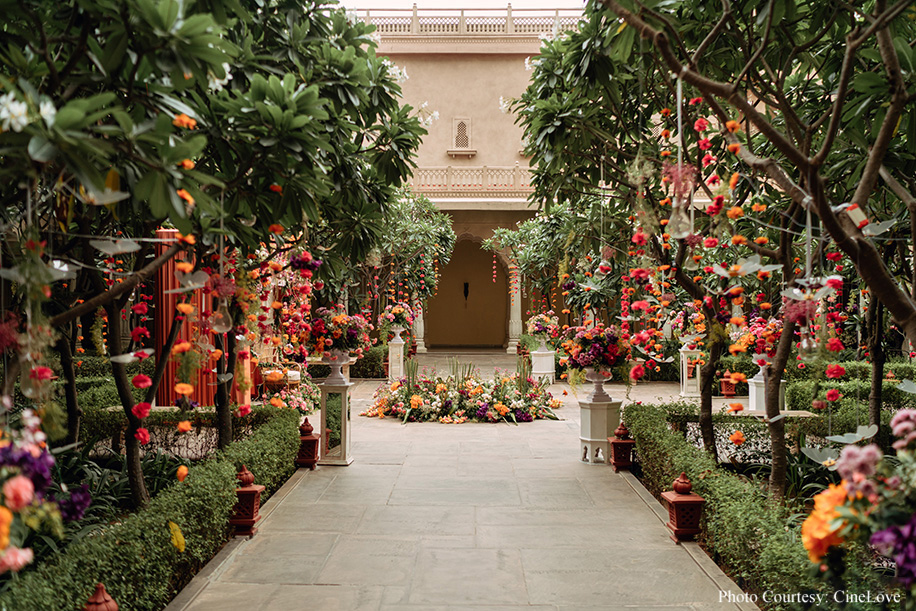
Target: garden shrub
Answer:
[[136, 558], [371, 365], [754, 539]]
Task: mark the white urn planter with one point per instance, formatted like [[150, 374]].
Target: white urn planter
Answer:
[[599, 417], [336, 359], [542, 363], [756, 400]]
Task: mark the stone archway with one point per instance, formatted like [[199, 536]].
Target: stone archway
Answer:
[[478, 319]]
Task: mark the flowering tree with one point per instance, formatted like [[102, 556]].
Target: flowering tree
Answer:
[[225, 120]]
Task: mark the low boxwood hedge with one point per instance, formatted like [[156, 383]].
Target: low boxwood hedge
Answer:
[[136, 558], [754, 539]]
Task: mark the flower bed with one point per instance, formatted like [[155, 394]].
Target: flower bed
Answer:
[[471, 399], [199, 506], [755, 540]]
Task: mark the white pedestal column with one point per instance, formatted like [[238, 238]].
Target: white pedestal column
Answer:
[[515, 318], [690, 386], [339, 455], [419, 328], [396, 356], [756, 400], [542, 364], [599, 420]]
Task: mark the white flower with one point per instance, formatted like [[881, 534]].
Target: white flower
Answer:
[[217, 84], [47, 112], [503, 105], [13, 114]]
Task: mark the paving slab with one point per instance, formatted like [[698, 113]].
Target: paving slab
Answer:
[[473, 517]]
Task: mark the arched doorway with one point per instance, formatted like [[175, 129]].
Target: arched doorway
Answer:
[[470, 309]]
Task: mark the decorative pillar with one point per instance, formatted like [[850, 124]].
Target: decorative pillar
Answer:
[[419, 329], [308, 446], [599, 415], [396, 355], [622, 449], [338, 455], [543, 364], [690, 385], [515, 312]]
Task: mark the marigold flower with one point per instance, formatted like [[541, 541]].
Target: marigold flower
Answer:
[[187, 239], [177, 537], [181, 347], [733, 181], [186, 164], [181, 473], [737, 378], [818, 532], [184, 267], [737, 438], [276, 228], [732, 126], [734, 148], [185, 121], [183, 194], [739, 239], [185, 389], [734, 407], [761, 240], [185, 308], [735, 212], [185, 425]]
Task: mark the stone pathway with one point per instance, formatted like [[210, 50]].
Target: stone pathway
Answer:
[[433, 517]]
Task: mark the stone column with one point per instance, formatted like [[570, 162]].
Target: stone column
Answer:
[[419, 328], [515, 314]]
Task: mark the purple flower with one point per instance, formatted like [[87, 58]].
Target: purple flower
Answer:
[[899, 542], [36, 468], [73, 508], [903, 425]]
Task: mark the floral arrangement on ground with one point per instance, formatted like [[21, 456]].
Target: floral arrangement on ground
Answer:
[[505, 398]]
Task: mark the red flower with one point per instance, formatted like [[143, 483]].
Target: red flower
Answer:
[[833, 394], [701, 125], [42, 374], [834, 344], [704, 144], [137, 333], [140, 308], [835, 371], [141, 410], [276, 188], [142, 435], [141, 381], [243, 410], [710, 243], [834, 256], [835, 283], [695, 101], [637, 372], [639, 238]]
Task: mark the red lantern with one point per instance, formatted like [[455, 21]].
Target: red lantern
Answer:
[[248, 504], [684, 509], [308, 446], [100, 600], [622, 449]]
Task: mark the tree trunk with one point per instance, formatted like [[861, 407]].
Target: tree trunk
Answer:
[[878, 357], [773, 379], [73, 409], [139, 495], [223, 391], [707, 378]]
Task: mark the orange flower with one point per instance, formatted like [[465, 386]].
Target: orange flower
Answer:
[[183, 388], [758, 207], [187, 239], [761, 240], [276, 228], [734, 407], [739, 239], [733, 181], [183, 194], [277, 305], [734, 148], [184, 426], [216, 355], [184, 267], [181, 473], [186, 164], [737, 438], [732, 126], [735, 212], [184, 120], [766, 305], [276, 188], [818, 532], [181, 347], [737, 378], [277, 402], [185, 308]]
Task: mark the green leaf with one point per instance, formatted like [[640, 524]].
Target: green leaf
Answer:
[[41, 150]]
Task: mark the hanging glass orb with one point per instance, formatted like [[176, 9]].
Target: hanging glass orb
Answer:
[[807, 347], [679, 225], [221, 320]]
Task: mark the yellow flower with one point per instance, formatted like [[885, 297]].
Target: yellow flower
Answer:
[[177, 537], [416, 401]]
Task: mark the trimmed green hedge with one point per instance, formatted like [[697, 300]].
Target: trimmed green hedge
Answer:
[[755, 540], [136, 559]]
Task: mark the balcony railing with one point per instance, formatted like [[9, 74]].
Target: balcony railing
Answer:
[[531, 22], [468, 181]]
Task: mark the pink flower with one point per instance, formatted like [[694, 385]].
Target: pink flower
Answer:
[[637, 372], [141, 410], [41, 374], [833, 395], [708, 159], [710, 242], [695, 101], [142, 435], [835, 371], [18, 492], [141, 381], [639, 238], [713, 180], [640, 305], [701, 125], [704, 144], [640, 273], [243, 411], [14, 559]]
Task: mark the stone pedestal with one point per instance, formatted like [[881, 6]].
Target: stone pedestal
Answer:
[[542, 364], [690, 385], [419, 328], [756, 400], [599, 416], [515, 317], [396, 355], [338, 455]]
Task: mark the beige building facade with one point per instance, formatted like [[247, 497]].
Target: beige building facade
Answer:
[[464, 66]]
